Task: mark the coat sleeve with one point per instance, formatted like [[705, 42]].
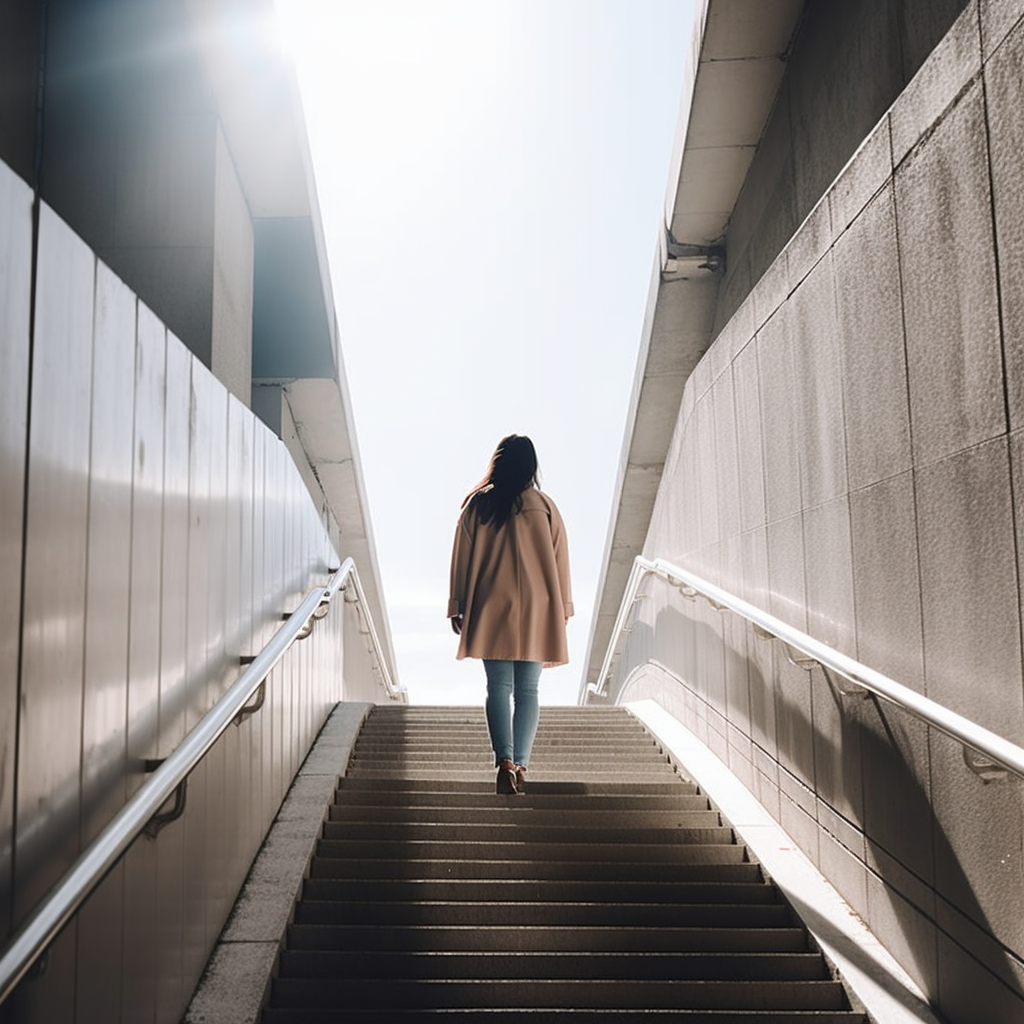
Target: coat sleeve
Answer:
[[461, 548], [561, 546]]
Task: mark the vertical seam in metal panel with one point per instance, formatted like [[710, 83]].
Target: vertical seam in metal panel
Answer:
[[33, 277], [86, 564]]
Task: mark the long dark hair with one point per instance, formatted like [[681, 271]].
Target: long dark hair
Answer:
[[513, 468]]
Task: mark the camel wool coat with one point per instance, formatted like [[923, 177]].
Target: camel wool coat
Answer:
[[511, 584]]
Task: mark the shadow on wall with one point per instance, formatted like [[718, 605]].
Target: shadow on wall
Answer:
[[861, 770]]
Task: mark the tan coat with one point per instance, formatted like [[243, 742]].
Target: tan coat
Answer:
[[511, 584]]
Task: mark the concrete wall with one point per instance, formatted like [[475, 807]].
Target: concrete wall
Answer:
[[849, 456], [846, 65], [165, 532]]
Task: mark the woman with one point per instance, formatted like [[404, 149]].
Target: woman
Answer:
[[510, 598]]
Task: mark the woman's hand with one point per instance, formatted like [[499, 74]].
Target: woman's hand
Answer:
[[456, 621]]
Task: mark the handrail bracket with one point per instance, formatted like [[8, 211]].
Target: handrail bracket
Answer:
[[798, 659], [162, 819], [984, 767], [254, 705], [844, 686]]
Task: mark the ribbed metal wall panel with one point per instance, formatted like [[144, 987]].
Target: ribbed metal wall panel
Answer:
[[53, 635], [15, 296], [105, 683], [140, 962], [168, 532], [170, 873]]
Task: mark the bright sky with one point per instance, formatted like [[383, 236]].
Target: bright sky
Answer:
[[492, 176]]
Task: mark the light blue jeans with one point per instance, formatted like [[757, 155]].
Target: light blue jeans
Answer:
[[512, 684]]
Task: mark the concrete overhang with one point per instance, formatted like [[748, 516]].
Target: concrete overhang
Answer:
[[295, 338], [736, 65]]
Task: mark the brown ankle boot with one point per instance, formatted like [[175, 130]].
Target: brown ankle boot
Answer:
[[505, 783]]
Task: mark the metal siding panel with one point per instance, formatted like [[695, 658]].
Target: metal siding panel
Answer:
[[258, 725], [296, 582], [239, 622], [175, 547], [15, 294], [220, 675], [272, 542], [140, 961], [147, 527], [104, 766], [49, 745], [295, 585], [171, 984], [266, 621], [197, 885], [171, 987]]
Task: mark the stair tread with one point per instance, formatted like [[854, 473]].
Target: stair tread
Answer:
[[541, 912], [539, 801], [557, 993], [552, 964], [538, 890], [613, 888], [526, 833], [423, 869], [291, 1015], [667, 786], [550, 938]]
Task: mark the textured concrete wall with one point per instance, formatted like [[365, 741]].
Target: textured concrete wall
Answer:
[[849, 457], [166, 532], [847, 64]]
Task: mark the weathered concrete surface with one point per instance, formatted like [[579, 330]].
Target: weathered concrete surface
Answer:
[[867, 394]]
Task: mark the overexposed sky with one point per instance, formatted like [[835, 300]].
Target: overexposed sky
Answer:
[[492, 176]]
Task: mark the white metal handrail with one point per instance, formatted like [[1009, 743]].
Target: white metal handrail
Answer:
[[359, 597], [57, 908], [993, 748]]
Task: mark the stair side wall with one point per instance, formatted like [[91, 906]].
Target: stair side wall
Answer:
[[153, 531], [848, 456]]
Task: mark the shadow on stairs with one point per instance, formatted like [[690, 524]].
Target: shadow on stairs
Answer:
[[611, 889]]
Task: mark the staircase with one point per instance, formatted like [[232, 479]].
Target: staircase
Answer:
[[612, 889]]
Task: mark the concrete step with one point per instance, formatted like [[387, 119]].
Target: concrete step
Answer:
[[546, 939], [568, 774], [612, 889], [529, 912], [668, 786], [594, 740], [539, 767], [568, 753], [534, 890], [534, 801], [518, 1015], [513, 832], [520, 816], [570, 853], [548, 727], [541, 870], [714, 966], [576, 994]]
